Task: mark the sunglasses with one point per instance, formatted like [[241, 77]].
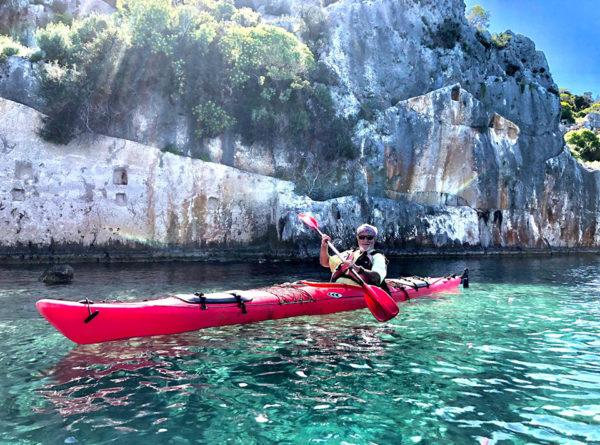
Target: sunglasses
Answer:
[[369, 237]]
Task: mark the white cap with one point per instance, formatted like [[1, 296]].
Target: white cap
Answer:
[[368, 229]]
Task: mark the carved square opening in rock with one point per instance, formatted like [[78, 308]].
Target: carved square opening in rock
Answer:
[[121, 199], [18, 194], [120, 176], [23, 170], [455, 95]]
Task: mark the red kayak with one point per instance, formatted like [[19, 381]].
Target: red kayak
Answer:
[[88, 322]]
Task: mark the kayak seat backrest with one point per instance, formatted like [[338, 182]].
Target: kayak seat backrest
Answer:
[[218, 298]]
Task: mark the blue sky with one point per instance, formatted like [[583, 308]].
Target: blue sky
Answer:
[[568, 32]]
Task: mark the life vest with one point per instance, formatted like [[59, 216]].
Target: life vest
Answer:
[[364, 259]]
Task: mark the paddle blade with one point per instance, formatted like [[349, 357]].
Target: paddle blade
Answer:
[[309, 221], [380, 303]]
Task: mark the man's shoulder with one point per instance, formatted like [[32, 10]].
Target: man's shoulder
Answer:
[[379, 256]]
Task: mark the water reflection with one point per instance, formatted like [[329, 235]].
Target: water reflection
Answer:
[[279, 353]]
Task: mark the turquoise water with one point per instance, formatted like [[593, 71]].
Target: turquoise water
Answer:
[[514, 359]]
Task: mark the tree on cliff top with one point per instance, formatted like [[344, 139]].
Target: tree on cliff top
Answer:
[[479, 18], [578, 105]]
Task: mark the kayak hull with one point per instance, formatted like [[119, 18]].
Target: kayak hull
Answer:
[[88, 322]]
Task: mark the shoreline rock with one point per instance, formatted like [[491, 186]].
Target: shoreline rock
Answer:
[[18, 256], [58, 274]]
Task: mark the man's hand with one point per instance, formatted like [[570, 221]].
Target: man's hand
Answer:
[[368, 276]]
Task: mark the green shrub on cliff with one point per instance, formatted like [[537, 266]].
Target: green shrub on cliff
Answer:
[[578, 103], [79, 74], [229, 71], [593, 108], [501, 40], [9, 47], [567, 112], [212, 120], [584, 145], [150, 24], [55, 42]]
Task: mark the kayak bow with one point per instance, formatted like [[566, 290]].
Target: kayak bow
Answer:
[[88, 322]]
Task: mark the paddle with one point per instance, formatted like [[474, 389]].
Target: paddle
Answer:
[[380, 303]]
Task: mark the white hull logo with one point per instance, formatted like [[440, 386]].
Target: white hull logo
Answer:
[[334, 295]]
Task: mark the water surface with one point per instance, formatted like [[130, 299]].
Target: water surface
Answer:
[[514, 359]]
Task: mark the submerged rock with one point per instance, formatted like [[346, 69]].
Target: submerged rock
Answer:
[[58, 274]]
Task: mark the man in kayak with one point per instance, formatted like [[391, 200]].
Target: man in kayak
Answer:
[[368, 262]]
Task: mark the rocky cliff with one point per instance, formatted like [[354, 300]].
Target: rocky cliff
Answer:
[[460, 152]]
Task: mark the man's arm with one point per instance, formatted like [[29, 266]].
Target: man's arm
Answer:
[[370, 276], [324, 254]]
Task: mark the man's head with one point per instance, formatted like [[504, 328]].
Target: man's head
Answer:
[[366, 235]]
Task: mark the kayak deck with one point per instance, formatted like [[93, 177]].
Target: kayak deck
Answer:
[[86, 322]]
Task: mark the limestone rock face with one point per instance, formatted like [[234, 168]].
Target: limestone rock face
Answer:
[[456, 193], [100, 190], [468, 156], [592, 122], [460, 150], [18, 82], [385, 51]]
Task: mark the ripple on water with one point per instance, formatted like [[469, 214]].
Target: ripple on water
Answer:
[[514, 359]]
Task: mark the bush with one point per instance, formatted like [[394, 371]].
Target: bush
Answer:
[[224, 10], [483, 39], [211, 119], [150, 24], [9, 47], [593, 108], [502, 40], [8, 51], [60, 89], [262, 54], [584, 145], [36, 56], [228, 71], [567, 112], [246, 17], [80, 72], [55, 42], [581, 105], [66, 19]]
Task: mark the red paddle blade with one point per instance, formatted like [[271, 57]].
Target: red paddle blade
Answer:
[[380, 303], [309, 221]]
